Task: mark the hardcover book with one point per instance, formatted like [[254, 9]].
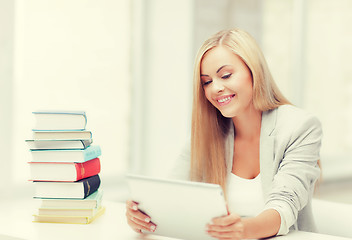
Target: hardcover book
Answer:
[[92, 201], [80, 189], [63, 172], [65, 120], [62, 135], [47, 144], [61, 155], [89, 212], [68, 219]]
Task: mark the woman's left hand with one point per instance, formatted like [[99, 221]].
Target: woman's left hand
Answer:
[[227, 227]]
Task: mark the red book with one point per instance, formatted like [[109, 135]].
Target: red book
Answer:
[[63, 172]]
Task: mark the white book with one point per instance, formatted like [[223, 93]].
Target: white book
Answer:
[[62, 135], [69, 219], [43, 144], [89, 212], [61, 120]]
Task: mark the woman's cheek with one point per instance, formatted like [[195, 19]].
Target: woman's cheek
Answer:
[[207, 95]]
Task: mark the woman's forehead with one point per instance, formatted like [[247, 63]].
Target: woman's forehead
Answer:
[[217, 57]]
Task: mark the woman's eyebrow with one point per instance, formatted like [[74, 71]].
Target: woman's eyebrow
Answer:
[[221, 68], [205, 75]]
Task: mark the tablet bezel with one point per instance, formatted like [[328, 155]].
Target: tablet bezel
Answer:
[[180, 209]]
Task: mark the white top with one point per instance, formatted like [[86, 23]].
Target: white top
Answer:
[[245, 196]]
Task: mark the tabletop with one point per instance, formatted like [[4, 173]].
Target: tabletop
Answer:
[[16, 223]]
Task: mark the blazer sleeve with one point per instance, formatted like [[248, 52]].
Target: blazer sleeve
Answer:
[[293, 183]]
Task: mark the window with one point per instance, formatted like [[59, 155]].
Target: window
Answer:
[[308, 47]]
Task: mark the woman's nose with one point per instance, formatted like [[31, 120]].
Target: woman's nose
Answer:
[[218, 86]]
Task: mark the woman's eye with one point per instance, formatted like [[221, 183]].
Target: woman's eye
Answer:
[[226, 76], [206, 82]]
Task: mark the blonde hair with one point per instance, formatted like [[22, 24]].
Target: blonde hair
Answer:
[[209, 127]]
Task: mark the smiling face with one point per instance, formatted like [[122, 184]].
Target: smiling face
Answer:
[[227, 81]]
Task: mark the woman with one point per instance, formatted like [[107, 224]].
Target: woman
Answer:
[[248, 138]]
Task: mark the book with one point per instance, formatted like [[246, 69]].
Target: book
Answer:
[[68, 219], [63, 155], [79, 189], [63, 172], [46, 144], [62, 135], [61, 120], [92, 201], [88, 212]]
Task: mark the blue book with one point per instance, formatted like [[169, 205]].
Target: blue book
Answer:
[[59, 120], [64, 155], [92, 201]]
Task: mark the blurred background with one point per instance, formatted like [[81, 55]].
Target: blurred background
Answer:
[[128, 64]]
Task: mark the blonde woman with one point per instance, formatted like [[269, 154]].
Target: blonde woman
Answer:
[[247, 137]]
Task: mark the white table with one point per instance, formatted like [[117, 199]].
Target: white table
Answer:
[[16, 221]]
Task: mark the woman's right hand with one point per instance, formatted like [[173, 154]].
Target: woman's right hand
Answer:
[[136, 219]]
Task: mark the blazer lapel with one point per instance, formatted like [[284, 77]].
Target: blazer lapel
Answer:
[[266, 150]]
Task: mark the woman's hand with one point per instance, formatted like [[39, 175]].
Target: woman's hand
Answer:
[[227, 227], [136, 219]]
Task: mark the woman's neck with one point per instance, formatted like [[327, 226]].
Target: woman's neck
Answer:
[[248, 124]]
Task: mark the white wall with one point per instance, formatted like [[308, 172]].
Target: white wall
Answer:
[[73, 55], [6, 88]]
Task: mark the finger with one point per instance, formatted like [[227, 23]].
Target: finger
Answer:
[[137, 226], [138, 215], [137, 230], [234, 231], [140, 222], [226, 220], [135, 223], [217, 228], [226, 235], [131, 205], [236, 227]]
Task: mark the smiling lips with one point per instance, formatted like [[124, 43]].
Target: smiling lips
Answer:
[[223, 100]]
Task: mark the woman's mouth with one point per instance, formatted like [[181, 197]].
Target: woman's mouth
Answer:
[[222, 101]]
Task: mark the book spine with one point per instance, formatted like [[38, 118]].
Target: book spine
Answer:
[[90, 185], [85, 144], [87, 169], [91, 152], [85, 118]]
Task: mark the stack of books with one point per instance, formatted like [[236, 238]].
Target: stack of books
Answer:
[[65, 168]]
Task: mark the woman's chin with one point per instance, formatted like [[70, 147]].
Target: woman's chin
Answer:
[[227, 114]]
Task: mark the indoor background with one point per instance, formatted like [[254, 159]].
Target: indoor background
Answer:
[[128, 64]]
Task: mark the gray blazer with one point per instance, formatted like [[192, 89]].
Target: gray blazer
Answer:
[[290, 141]]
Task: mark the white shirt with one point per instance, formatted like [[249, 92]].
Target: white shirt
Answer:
[[245, 196]]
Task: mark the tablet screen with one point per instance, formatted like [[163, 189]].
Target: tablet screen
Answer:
[[180, 209]]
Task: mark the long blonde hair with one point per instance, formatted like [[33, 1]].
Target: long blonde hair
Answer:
[[209, 127]]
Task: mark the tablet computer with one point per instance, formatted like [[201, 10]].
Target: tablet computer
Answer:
[[180, 209]]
